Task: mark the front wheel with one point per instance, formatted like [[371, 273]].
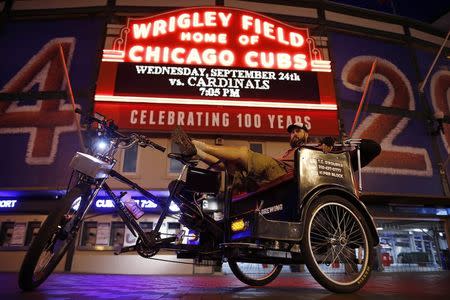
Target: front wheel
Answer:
[[337, 244], [254, 274], [53, 239]]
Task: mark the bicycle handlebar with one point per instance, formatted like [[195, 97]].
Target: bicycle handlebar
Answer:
[[156, 146], [112, 129]]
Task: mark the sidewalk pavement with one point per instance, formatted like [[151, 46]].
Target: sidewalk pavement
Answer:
[[398, 286]]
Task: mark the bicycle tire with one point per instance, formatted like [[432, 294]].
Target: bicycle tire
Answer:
[[49, 234], [337, 244], [255, 278]]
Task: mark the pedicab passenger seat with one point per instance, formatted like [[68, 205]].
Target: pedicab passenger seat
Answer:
[[290, 178], [278, 181], [271, 210]]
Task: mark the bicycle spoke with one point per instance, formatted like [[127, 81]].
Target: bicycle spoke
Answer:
[[338, 243], [316, 221]]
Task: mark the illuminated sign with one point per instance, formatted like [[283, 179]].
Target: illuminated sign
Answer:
[[212, 119], [8, 203], [207, 82], [217, 36], [108, 203], [217, 60], [144, 204]]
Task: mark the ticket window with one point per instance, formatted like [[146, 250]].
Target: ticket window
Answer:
[[117, 234], [146, 226], [32, 231], [89, 235], [129, 239], [6, 233], [103, 234]]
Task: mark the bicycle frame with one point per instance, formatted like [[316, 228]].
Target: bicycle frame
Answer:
[[126, 216], [98, 167]]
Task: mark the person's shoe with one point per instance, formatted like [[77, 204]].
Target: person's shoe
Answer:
[[180, 138]]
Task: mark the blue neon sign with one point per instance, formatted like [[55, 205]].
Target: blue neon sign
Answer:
[[108, 203], [145, 204], [8, 203]]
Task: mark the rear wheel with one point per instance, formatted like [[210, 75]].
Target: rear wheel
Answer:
[[337, 244], [255, 274], [53, 239]]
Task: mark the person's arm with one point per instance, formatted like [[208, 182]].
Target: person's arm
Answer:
[[326, 144]]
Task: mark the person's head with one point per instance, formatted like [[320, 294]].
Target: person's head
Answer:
[[298, 134]]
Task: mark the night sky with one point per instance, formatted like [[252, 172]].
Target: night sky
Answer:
[[426, 11]]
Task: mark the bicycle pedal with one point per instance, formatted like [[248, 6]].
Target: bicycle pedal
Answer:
[[120, 249]]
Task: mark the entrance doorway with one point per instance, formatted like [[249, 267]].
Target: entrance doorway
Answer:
[[411, 246]]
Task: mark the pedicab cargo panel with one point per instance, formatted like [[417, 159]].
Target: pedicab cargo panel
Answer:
[[316, 169], [266, 211]]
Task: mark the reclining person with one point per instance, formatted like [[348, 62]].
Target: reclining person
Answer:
[[250, 169]]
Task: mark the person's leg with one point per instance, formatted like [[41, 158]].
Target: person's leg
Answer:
[[210, 154], [261, 169], [235, 154], [209, 159]]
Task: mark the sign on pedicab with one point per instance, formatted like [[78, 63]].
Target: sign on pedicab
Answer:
[[192, 66]]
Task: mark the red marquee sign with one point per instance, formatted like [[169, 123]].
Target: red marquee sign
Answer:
[[217, 56], [215, 36]]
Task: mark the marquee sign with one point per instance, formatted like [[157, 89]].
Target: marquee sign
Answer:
[[216, 56]]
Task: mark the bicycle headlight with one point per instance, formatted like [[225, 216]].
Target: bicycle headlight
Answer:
[[101, 145]]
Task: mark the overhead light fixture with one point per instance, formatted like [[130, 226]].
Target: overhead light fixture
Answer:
[[435, 123]]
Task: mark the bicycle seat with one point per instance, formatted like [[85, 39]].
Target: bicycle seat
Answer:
[[185, 160]]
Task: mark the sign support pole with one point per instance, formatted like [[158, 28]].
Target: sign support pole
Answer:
[[72, 99], [366, 88], [422, 85]]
